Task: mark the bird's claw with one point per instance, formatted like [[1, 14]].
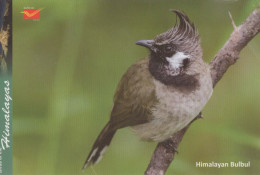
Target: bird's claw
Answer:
[[169, 145]]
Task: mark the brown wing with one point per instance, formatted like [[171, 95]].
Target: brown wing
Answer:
[[134, 97]]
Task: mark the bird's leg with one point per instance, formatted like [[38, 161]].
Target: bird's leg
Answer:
[[170, 145], [199, 116]]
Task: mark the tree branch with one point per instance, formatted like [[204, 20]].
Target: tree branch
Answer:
[[228, 54], [239, 38]]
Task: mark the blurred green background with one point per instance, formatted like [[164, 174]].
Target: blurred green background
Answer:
[[67, 66]]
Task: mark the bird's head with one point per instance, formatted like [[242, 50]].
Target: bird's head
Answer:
[[173, 51]]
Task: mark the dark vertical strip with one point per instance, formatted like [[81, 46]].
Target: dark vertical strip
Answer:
[[6, 143], [7, 26]]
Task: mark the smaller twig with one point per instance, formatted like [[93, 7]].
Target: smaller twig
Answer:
[[93, 170], [232, 21]]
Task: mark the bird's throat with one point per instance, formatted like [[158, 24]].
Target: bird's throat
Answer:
[[179, 79]]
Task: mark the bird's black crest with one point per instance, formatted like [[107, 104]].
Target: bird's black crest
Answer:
[[182, 30]]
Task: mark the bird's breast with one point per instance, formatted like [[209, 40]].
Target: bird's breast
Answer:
[[174, 110]]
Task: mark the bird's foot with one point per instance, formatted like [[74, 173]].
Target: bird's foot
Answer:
[[170, 145], [200, 116]]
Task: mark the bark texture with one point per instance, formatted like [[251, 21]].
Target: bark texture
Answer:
[[227, 55]]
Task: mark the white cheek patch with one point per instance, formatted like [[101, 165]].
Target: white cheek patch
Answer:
[[177, 59]]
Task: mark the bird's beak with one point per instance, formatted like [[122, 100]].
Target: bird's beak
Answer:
[[146, 43]]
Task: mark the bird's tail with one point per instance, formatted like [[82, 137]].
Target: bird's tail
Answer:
[[100, 146]]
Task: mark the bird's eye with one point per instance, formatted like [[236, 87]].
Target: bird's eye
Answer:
[[167, 49]]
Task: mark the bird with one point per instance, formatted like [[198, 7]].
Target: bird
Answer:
[[162, 93]]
